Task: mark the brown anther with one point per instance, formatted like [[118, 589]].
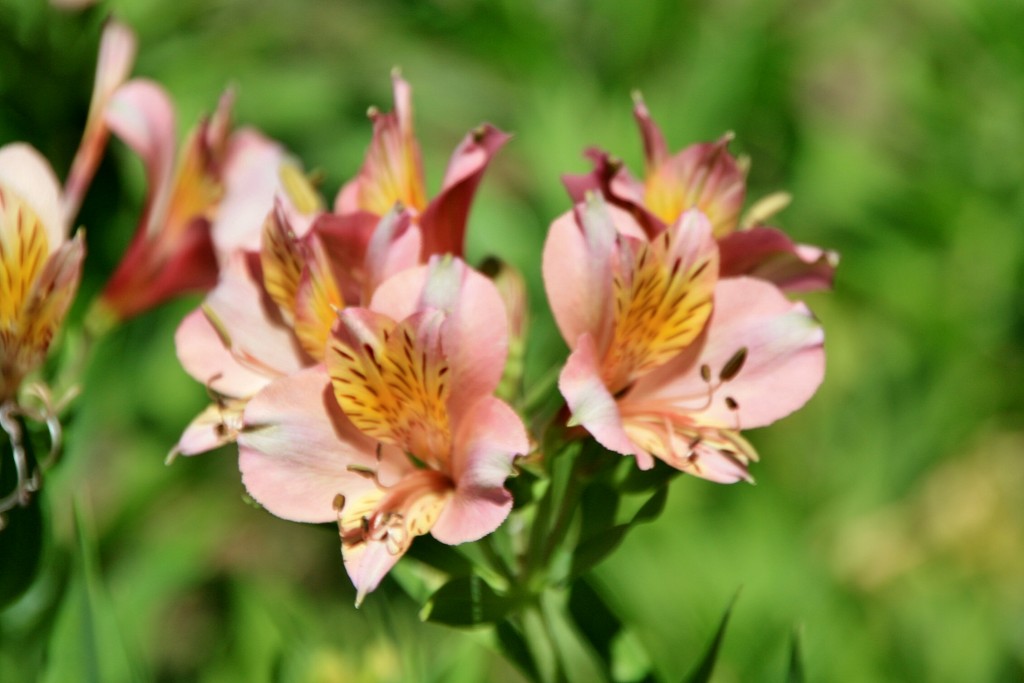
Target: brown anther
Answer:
[[705, 372], [733, 366], [731, 403]]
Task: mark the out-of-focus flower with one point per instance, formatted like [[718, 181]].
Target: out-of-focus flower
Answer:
[[39, 266], [198, 211], [667, 359], [272, 311], [706, 177], [393, 174], [400, 434], [116, 56]]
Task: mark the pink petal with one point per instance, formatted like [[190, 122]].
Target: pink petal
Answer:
[[487, 441], [27, 174], [591, 404], [243, 311], [769, 254], [296, 447], [444, 220], [784, 360], [392, 171], [141, 114], [476, 328], [203, 354], [655, 149], [216, 426], [251, 180], [577, 269], [367, 564], [116, 56], [394, 246]]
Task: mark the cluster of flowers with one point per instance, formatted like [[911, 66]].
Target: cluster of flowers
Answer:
[[354, 356]]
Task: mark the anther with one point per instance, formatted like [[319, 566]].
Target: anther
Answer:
[[733, 366]]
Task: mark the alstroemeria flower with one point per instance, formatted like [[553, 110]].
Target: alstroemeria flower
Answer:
[[399, 434], [39, 266], [272, 311], [392, 174], [707, 177], [668, 360], [200, 208]]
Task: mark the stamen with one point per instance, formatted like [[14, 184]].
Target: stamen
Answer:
[[733, 366]]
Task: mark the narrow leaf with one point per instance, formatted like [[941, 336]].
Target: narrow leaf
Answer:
[[795, 674], [513, 646], [702, 674]]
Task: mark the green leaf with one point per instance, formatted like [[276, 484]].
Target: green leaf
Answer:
[[795, 673], [578, 661], [702, 674], [466, 601], [592, 550], [445, 558], [87, 643], [594, 618], [513, 646], [21, 540]]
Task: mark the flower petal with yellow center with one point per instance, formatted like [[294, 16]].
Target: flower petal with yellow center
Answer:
[[663, 293], [391, 380]]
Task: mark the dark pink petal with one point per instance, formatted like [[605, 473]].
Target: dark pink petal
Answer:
[[346, 240], [444, 220], [769, 254], [142, 281], [655, 149], [296, 448]]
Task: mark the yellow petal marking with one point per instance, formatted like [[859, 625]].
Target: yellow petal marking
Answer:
[[394, 391], [391, 173], [36, 289], [660, 308], [281, 260], [317, 302], [197, 187], [299, 189]]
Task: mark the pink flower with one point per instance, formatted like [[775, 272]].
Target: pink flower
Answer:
[[668, 360], [398, 434], [201, 207], [39, 266], [706, 177], [392, 174], [272, 311]]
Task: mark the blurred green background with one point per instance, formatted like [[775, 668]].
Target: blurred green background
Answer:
[[887, 525]]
